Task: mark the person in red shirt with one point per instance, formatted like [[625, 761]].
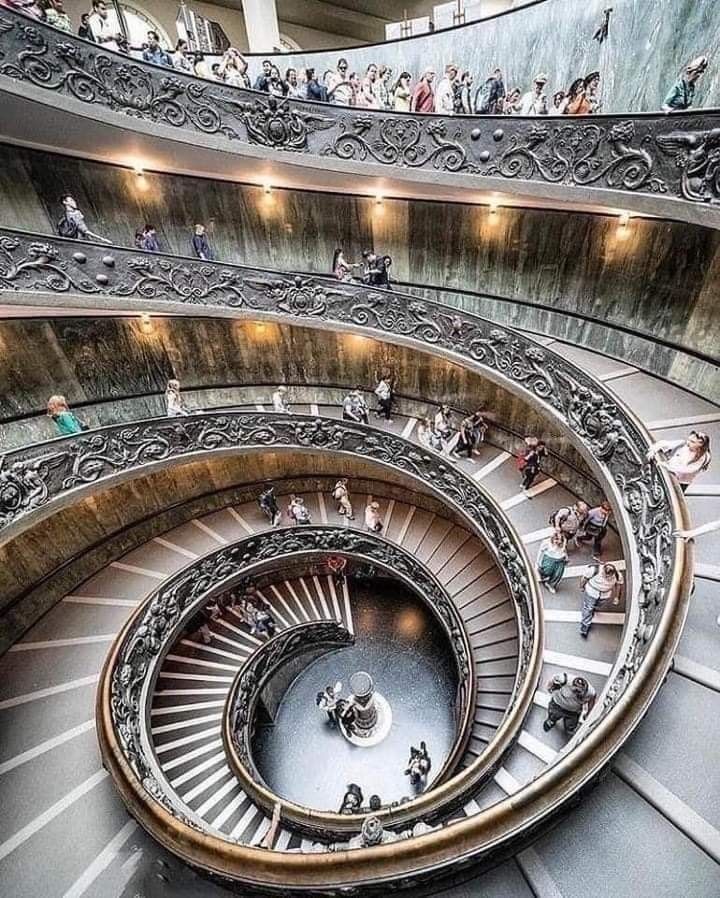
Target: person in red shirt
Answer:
[[423, 98]]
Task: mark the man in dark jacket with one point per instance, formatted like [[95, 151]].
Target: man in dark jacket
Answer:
[[262, 82], [489, 96]]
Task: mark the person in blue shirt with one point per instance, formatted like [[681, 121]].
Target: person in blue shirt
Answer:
[[154, 52], [682, 92], [64, 420]]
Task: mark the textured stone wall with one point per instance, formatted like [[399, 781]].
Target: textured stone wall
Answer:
[[110, 365], [657, 278], [648, 43]]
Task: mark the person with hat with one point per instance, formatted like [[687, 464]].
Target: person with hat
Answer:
[[298, 511], [535, 101], [568, 701], [354, 408], [682, 92]]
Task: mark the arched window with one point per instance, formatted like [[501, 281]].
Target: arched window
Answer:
[[137, 25]]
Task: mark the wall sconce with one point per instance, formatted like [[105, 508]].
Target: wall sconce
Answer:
[[139, 170], [494, 208], [624, 219], [378, 199], [267, 188], [146, 325]]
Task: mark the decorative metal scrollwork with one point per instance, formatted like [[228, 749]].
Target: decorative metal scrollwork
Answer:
[[655, 155], [583, 403], [154, 630]]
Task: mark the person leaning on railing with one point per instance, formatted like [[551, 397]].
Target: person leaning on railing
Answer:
[[65, 421], [682, 93], [684, 459], [72, 224]]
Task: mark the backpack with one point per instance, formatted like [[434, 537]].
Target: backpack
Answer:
[[521, 463], [67, 228], [565, 512]]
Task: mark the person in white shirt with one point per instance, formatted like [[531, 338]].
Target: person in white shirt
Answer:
[[601, 583], [373, 521], [280, 403], [297, 510], [428, 436], [384, 393], [179, 57], [445, 93], [443, 420], [174, 401], [341, 495], [339, 89], [685, 459], [103, 30], [535, 101]]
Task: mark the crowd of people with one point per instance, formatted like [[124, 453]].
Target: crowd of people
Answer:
[[247, 603], [571, 527], [456, 92]]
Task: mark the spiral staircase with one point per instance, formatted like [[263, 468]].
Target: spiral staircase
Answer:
[[130, 754]]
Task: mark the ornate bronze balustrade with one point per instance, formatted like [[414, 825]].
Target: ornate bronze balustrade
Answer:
[[653, 155], [646, 502], [129, 675], [149, 635], [611, 438]]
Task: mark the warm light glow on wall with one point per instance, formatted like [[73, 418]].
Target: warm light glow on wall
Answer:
[[267, 188], [494, 208], [378, 199], [260, 331], [410, 624], [358, 339], [146, 325], [624, 219]]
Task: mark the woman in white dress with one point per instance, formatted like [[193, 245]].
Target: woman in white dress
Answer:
[[685, 459]]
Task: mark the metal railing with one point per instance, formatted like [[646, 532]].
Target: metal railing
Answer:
[[646, 502], [130, 679], [655, 156]]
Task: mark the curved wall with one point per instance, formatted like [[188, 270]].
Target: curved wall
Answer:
[[639, 61], [657, 278], [119, 373]]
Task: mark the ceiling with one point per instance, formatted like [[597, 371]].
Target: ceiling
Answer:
[[360, 20]]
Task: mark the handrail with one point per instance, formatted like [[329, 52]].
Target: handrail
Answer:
[[666, 160], [200, 580], [611, 438], [613, 441], [132, 666]]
